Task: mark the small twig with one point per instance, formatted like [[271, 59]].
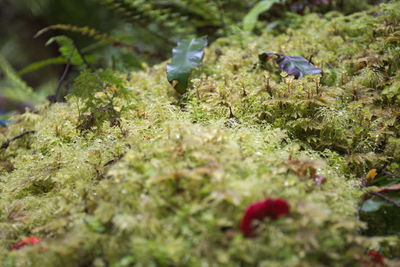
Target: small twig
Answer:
[[389, 174], [232, 117], [59, 83], [364, 183], [310, 59], [7, 143], [231, 113], [385, 198], [114, 160]]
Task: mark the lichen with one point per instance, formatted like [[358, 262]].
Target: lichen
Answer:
[[169, 184]]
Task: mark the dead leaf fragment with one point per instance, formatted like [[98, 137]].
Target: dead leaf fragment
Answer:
[[389, 188], [371, 175]]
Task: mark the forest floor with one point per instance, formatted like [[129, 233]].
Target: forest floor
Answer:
[[169, 184]]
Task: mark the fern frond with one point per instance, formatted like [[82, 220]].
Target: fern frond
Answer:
[[69, 51], [102, 94], [19, 90], [87, 31], [103, 38], [143, 12], [41, 64], [199, 12], [171, 16], [181, 17]]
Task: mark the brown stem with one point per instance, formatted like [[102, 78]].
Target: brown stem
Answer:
[[385, 198], [364, 183], [231, 113], [114, 160], [7, 143], [60, 81]]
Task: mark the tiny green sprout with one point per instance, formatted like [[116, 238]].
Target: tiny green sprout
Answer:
[[102, 96]]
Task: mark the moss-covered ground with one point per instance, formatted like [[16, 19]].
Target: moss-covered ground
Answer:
[[168, 185]]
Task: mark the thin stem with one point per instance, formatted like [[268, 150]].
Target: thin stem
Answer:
[[385, 198], [364, 183], [8, 142], [66, 70], [62, 78]]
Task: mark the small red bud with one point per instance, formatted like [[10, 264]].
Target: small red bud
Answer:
[[24, 242], [272, 208], [376, 257]]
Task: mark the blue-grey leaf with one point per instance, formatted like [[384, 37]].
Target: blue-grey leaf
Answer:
[[371, 205], [3, 123], [186, 56], [296, 66]]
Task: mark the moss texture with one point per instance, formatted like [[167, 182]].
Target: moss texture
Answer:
[[168, 184]]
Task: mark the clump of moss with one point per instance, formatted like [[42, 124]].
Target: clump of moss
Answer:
[[168, 186]]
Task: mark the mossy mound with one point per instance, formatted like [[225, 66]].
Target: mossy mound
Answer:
[[169, 185]]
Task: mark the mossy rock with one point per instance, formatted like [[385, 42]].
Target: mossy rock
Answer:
[[168, 185]]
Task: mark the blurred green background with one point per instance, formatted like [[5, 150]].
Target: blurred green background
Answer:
[[147, 28]]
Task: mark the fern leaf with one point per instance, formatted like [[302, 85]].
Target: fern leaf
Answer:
[[103, 38], [144, 13], [87, 31], [250, 20], [69, 51], [19, 90], [41, 64]]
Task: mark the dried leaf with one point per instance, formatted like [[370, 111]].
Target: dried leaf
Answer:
[[371, 175], [389, 188], [304, 167]]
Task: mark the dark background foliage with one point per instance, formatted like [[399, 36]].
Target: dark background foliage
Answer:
[[151, 28]]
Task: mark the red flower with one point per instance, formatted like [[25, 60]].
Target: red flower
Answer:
[[376, 257], [272, 208], [27, 241]]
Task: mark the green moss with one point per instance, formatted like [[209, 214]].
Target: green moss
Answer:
[[170, 184]]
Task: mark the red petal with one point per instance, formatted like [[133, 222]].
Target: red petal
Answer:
[[280, 208], [272, 208], [255, 211], [27, 241], [376, 257]]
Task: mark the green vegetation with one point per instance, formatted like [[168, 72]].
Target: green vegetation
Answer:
[[125, 34], [104, 101], [186, 56], [128, 173]]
